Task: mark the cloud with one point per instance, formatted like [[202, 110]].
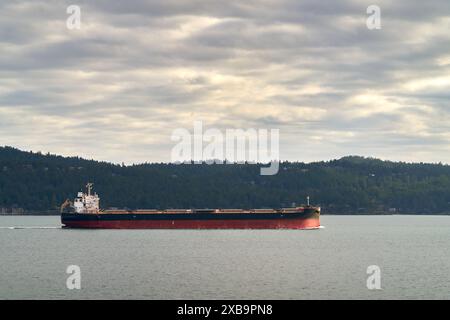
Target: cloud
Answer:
[[116, 89]]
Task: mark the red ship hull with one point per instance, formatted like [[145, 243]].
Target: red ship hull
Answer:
[[310, 223]]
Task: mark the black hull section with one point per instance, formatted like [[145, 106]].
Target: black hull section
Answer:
[[308, 213]]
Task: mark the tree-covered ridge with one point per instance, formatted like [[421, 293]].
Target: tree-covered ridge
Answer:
[[34, 181]]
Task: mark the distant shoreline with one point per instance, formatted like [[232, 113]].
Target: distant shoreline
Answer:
[[37, 184]]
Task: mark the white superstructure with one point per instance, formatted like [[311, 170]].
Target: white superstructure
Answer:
[[87, 203]]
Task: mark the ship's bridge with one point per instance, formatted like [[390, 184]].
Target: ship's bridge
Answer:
[[87, 203]]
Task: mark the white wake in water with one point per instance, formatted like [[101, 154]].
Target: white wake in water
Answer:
[[314, 228], [29, 227]]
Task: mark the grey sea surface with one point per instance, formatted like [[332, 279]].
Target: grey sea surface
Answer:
[[412, 252]]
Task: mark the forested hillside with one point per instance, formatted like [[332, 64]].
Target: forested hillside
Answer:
[[34, 181]]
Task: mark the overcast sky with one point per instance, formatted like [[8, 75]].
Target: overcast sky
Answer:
[[136, 70]]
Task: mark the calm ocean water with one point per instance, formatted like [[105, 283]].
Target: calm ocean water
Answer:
[[413, 253]]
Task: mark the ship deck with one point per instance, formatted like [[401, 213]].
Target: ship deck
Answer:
[[208, 211]]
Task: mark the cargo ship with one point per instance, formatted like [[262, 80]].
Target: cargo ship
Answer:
[[85, 212]]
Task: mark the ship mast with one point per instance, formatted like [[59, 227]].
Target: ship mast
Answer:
[[89, 187]]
